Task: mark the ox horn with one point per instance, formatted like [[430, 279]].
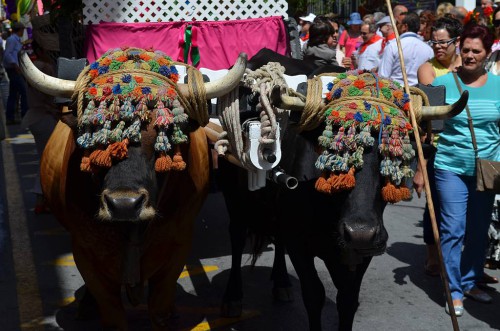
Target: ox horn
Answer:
[[45, 83], [444, 112], [64, 88], [225, 84], [427, 113]]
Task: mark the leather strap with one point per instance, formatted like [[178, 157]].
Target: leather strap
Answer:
[[469, 117]]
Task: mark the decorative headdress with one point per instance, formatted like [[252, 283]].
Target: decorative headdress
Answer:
[[359, 103], [123, 90]]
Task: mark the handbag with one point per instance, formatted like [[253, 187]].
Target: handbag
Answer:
[[487, 171]]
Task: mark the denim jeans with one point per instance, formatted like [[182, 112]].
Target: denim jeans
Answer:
[[426, 221], [465, 218], [17, 88]]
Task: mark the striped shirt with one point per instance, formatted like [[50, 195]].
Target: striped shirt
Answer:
[[455, 151]]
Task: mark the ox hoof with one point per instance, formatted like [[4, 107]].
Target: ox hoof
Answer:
[[135, 294], [231, 309], [283, 294]]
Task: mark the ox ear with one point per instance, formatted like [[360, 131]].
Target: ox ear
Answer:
[[68, 118], [225, 84]]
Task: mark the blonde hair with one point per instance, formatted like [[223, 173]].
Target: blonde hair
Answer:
[[443, 8]]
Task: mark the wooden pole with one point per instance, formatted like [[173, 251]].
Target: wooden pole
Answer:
[[421, 160]]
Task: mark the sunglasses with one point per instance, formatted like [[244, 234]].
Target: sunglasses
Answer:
[[496, 23], [445, 43]]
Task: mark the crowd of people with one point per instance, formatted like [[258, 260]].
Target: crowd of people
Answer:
[[460, 50]]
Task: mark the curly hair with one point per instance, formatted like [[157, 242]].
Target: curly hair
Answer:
[[452, 25], [477, 31]]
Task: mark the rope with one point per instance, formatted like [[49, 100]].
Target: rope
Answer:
[[261, 81], [198, 96], [314, 109]]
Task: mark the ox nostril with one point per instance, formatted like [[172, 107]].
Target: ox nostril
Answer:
[[124, 207]]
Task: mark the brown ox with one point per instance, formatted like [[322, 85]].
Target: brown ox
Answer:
[[129, 224]]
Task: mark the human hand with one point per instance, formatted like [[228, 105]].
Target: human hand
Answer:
[[418, 182], [346, 62]]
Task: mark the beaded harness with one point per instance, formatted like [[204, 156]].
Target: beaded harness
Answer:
[[361, 103], [121, 92]]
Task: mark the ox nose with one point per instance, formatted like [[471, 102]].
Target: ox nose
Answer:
[[359, 237], [125, 207]]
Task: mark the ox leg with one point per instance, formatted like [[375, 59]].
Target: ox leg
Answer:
[[232, 300], [282, 286], [348, 284], [230, 179], [162, 287], [313, 291], [106, 292]]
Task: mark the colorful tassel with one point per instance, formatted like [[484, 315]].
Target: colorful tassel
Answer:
[[163, 163]]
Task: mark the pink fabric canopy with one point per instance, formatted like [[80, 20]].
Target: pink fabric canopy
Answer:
[[219, 42]]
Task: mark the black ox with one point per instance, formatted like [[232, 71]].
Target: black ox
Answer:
[[345, 229]]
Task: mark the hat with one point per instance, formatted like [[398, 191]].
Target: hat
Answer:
[[17, 26], [309, 18], [355, 19], [385, 20]]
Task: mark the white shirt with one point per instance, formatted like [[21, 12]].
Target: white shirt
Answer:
[[415, 53], [370, 58]]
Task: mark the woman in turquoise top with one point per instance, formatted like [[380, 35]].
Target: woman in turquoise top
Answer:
[[466, 213]]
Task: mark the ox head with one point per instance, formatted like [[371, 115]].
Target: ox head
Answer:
[[132, 124], [365, 153]]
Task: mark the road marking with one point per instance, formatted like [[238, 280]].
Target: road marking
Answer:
[[21, 139], [28, 295], [220, 321], [59, 231], [64, 261], [68, 261], [193, 271]]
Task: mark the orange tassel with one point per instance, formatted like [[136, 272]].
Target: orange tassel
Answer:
[[349, 180], [390, 193], [178, 163], [405, 193], [119, 149], [163, 163], [85, 164], [101, 158], [322, 185]]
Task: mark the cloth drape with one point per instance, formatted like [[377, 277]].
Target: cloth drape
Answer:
[[219, 42]]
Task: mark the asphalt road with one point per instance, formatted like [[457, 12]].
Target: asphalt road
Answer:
[[39, 280]]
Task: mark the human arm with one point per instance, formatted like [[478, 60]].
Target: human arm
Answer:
[[10, 55], [418, 179], [426, 74], [386, 63]]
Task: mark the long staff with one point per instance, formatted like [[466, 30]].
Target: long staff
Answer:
[[421, 160]]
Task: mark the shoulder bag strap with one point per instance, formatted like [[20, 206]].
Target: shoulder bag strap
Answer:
[[469, 117]]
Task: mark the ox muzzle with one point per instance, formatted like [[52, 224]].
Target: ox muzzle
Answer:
[[365, 239], [126, 205]]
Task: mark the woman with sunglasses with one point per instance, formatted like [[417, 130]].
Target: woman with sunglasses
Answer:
[[465, 212], [445, 38]]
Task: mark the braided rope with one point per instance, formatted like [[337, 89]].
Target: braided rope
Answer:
[[261, 81], [313, 114], [198, 95]]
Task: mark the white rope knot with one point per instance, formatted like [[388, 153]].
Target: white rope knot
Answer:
[[261, 81]]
